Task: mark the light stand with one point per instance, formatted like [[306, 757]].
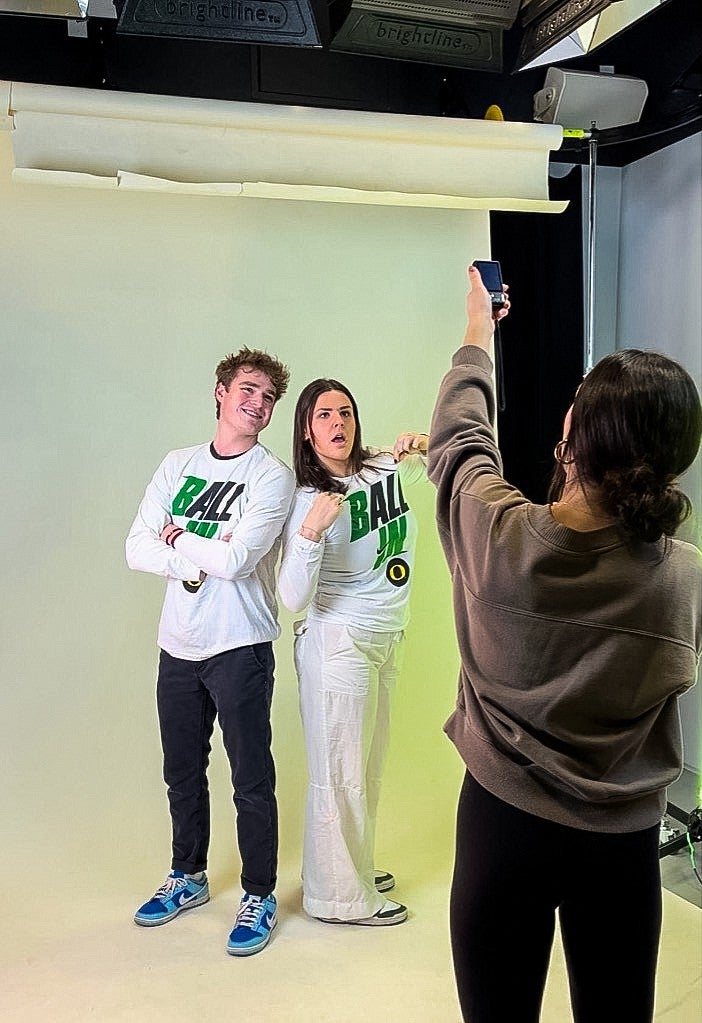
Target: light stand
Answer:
[[589, 342]]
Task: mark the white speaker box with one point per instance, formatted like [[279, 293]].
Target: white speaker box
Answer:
[[574, 99]]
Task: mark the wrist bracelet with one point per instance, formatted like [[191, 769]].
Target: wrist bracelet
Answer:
[[310, 534], [173, 536]]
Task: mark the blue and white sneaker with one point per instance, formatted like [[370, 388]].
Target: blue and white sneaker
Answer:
[[254, 922], [178, 892]]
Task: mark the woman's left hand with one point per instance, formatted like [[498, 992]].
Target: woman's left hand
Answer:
[[410, 444]]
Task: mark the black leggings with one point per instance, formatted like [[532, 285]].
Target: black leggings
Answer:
[[512, 872]]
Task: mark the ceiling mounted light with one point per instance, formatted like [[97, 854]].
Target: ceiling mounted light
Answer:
[[558, 30], [453, 33], [302, 23]]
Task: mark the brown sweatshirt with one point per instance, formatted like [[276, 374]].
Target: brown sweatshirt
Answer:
[[574, 646]]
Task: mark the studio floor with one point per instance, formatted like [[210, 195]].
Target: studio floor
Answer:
[[71, 954]]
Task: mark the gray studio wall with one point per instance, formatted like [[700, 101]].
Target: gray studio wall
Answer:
[[648, 294]]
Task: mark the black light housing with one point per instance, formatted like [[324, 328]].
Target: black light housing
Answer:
[[452, 33], [301, 23], [547, 22]]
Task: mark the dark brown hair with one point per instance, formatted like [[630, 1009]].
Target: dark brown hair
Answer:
[[309, 471], [253, 358], [635, 427]]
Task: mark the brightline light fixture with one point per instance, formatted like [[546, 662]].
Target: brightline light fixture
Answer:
[[558, 30], [302, 23], [452, 33]]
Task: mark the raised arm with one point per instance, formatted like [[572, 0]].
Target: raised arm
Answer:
[[463, 453]]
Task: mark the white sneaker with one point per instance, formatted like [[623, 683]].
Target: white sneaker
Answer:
[[390, 913], [383, 881]]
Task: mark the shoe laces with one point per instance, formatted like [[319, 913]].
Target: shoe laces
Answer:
[[171, 885], [250, 911]]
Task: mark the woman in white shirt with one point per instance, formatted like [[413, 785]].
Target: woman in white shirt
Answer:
[[348, 556]]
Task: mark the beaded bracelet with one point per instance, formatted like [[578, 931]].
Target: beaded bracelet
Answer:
[[310, 534]]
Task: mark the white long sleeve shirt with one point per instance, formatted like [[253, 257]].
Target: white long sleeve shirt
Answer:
[[360, 572], [210, 496]]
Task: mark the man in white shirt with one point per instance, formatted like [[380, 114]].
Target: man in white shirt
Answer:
[[210, 522]]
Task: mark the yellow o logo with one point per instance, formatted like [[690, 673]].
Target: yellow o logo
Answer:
[[397, 572]]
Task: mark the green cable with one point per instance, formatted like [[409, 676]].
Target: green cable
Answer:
[[692, 858]]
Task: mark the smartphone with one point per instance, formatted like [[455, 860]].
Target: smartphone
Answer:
[[491, 274]]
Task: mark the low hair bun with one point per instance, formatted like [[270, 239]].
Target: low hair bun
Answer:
[[646, 506]]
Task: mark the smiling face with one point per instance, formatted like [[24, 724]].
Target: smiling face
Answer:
[[245, 408], [331, 431]]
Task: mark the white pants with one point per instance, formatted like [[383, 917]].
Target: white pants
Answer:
[[346, 677]]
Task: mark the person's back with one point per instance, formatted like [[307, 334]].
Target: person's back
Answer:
[[579, 623], [597, 637]]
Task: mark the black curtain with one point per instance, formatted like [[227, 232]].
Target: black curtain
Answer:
[[542, 338]]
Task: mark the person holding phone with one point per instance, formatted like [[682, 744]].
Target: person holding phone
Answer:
[[348, 556], [579, 623]]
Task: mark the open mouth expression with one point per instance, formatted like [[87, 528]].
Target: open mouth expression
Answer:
[[333, 430]]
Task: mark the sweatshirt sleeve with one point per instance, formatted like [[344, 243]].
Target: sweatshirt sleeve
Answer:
[[253, 535], [302, 558], [145, 550], [462, 438], [464, 460]]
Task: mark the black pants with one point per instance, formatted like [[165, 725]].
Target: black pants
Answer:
[[513, 871], [236, 687]]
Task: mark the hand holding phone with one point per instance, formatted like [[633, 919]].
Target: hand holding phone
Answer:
[[491, 276]]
